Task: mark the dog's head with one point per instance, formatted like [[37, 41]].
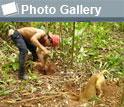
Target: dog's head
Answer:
[[105, 72]]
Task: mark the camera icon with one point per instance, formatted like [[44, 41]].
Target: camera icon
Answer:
[[10, 9]]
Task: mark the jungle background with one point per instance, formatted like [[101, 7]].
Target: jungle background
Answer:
[[85, 48]]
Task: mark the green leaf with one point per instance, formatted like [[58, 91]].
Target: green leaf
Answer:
[[15, 66], [70, 23], [33, 76], [77, 38], [12, 59], [20, 89], [95, 99], [2, 56], [71, 35], [76, 46], [14, 82], [4, 92], [88, 106]]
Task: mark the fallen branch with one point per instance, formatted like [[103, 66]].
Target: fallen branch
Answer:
[[38, 98], [95, 48]]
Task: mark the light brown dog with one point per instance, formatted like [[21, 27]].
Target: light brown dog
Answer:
[[95, 83]]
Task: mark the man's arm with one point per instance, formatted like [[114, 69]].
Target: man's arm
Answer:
[[34, 40]]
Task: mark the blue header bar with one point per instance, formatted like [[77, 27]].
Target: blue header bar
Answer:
[[62, 10]]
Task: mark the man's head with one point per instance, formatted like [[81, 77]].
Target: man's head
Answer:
[[51, 40]]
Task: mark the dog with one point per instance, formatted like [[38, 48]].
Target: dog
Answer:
[[94, 84]]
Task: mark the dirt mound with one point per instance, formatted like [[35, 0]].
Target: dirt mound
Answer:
[[49, 68], [56, 91], [111, 95]]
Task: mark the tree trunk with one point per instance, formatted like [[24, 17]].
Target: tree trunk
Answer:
[[73, 43], [122, 99]]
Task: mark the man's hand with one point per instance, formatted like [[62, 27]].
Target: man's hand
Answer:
[[46, 52], [46, 67]]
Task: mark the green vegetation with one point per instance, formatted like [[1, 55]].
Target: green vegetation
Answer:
[[93, 46], [98, 45]]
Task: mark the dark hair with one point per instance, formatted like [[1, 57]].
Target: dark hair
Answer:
[[51, 41]]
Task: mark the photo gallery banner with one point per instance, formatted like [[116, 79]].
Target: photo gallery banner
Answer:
[[61, 10]]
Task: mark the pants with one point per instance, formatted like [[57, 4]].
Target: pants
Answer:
[[23, 47]]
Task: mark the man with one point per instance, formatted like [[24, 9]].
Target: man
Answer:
[[31, 38]]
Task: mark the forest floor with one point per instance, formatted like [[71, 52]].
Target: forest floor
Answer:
[[56, 90]]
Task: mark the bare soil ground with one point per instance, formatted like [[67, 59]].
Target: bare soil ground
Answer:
[[57, 89]]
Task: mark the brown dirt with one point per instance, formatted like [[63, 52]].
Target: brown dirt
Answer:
[[49, 69], [56, 89]]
